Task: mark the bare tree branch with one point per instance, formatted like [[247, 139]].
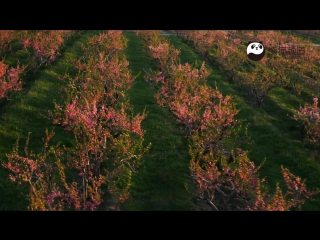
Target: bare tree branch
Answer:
[[212, 204]]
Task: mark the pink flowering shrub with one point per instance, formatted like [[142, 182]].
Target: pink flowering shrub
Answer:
[[45, 45], [10, 79], [230, 182], [150, 37], [96, 172], [165, 54], [308, 117], [225, 180]]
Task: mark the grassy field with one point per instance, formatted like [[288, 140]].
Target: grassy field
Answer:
[[22, 114], [274, 134], [159, 183]]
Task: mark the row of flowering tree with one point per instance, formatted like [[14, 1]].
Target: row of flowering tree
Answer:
[[229, 54], [43, 47], [284, 62], [225, 177], [289, 62], [10, 79], [95, 173]]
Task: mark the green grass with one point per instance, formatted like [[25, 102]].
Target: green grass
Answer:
[[159, 182], [22, 114]]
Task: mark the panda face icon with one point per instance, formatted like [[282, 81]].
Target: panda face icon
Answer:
[[255, 51]]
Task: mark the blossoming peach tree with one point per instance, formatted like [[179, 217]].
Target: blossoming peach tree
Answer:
[[226, 179], [96, 172], [10, 79]]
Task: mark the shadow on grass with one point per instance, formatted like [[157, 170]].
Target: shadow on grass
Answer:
[[23, 114], [159, 183], [274, 134]]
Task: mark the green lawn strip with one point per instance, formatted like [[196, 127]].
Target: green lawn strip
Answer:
[[274, 134], [22, 114], [22, 55], [159, 182]]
